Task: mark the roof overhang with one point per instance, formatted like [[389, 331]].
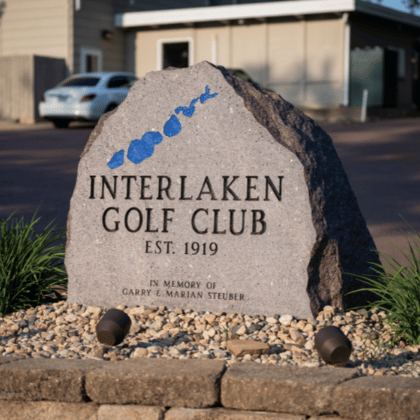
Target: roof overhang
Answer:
[[259, 11]]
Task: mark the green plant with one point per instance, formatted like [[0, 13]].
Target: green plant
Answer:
[[28, 270], [398, 291]]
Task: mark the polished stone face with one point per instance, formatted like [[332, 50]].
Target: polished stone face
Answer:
[[184, 199]]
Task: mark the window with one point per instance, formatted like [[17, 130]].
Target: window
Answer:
[[174, 53], [80, 81], [118, 81], [92, 62], [90, 59]]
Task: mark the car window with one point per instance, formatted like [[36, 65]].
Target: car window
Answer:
[[117, 82], [80, 81]]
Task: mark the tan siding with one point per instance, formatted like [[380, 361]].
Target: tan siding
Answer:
[[327, 93], [204, 40], [325, 62], [16, 88], [89, 21], [70, 37], [23, 79], [302, 60], [146, 52], [249, 50], [324, 46], [306, 62], [147, 47], [35, 27], [286, 52]]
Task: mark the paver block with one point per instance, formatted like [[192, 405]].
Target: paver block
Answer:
[[130, 412], [157, 382], [9, 359], [223, 414], [285, 389], [47, 410], [45, 379], [379, 398]]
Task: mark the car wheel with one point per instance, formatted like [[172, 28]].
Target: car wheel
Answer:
[[58, 123], [111, 107]]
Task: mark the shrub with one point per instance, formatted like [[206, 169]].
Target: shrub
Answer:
[[28, 270], [398, 289]]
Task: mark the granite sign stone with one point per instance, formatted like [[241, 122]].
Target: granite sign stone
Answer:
[[204, 191]]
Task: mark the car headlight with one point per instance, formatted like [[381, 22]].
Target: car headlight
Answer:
[[87, 98]]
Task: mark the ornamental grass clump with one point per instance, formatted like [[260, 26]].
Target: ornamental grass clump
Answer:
[[398, 291], [29, 271]]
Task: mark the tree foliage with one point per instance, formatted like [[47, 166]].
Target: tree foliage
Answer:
[[411, 5]]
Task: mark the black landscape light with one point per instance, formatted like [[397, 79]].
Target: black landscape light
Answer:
[[113, 327], [333, 346]]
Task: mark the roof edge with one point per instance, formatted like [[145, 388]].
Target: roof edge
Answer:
[[244, 11], [260, 10]]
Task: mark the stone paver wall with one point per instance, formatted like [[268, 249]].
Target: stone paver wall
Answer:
[[159, 389]]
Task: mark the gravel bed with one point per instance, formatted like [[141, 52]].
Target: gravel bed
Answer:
[[67, 331]]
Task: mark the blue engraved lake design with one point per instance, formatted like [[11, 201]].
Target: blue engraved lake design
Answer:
[[140, 150]]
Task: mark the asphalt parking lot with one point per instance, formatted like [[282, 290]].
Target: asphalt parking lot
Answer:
[[38, 167]]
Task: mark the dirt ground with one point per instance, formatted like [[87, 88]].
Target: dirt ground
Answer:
[[38, 166]]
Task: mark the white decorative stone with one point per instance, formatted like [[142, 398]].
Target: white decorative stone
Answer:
[[286, 319]]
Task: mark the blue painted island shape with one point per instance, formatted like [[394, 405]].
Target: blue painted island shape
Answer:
[[140, 150]]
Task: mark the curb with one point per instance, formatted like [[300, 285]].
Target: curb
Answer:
[[161, 389]]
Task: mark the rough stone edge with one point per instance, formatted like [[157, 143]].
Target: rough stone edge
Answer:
[[329, 241]]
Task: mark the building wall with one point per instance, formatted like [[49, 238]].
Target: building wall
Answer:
[[302, 60], [93, 17], [369, 32], [16, 87], [23, 80], [147, 46], [41, 27]]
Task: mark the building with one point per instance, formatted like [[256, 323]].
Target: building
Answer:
[[318, 54]]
